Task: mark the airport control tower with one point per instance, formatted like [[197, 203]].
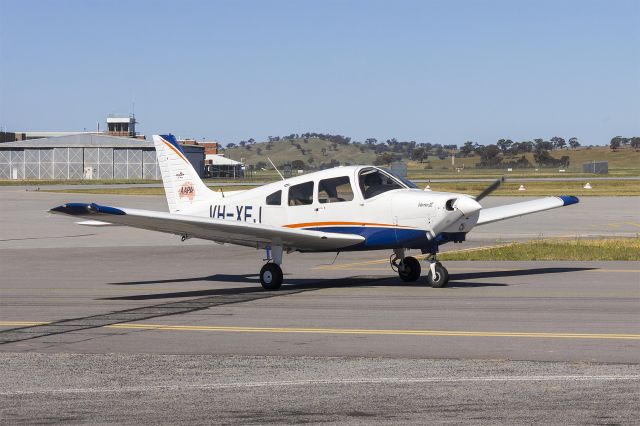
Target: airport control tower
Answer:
[[121, 125]]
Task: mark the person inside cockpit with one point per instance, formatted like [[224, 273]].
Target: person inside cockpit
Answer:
[[373, 182]]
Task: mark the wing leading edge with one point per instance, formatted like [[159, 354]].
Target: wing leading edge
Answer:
[[222, 231], [509, 211]]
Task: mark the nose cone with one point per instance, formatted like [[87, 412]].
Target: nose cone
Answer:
[[467, 205]]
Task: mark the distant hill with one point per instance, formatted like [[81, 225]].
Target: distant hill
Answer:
[[316, 153], [312, 152]]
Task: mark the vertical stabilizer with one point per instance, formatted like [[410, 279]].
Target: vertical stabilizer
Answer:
[[182, 185]]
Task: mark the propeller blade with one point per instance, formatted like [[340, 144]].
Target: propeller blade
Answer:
[[488, 190]]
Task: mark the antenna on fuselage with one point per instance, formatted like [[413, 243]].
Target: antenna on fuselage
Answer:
[[276, 169]]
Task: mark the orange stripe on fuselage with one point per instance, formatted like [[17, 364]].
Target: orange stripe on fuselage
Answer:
[[174, 150], [310, 224]]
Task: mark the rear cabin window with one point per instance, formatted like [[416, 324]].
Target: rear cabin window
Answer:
[[335, 190], [301, 194], [374, 182], [274, 199]]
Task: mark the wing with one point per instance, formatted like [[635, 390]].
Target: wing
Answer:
[[222, 231], [509, 211]]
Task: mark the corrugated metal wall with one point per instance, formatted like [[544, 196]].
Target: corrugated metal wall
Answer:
[[78, 163]]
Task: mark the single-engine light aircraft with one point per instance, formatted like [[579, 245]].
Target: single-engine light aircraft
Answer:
[[340, 209]]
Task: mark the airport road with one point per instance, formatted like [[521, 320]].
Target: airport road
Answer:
[[129, 326]]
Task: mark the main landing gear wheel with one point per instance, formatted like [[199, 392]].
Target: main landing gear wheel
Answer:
[[271, 276], [441, 277], [409, 269]]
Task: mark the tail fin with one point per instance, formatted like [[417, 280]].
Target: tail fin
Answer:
[[182, 184]]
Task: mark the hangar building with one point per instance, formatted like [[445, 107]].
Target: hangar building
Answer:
[[86, 156]]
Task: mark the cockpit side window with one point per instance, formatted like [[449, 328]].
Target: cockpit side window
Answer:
[[335, 190], [274, 199], [374, 182], [301, 194]]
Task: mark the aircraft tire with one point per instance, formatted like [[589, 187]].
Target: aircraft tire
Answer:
[[271, 276], [441, 278], [411, 270]]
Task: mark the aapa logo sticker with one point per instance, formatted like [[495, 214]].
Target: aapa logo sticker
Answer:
[[187, 190]]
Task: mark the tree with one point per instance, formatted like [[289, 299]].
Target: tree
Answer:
[[297, 164], [371, 141], [231, 145], [489, 156], [573, 143], [542, 145], [467, 149], [419, 154], [615, 143], [504, 145], [635, 142], [385, 158], [543, 158], [558, 142]]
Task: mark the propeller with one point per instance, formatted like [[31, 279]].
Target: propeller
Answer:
[[489, 189]]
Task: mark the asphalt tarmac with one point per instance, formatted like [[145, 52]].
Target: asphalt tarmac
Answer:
[[128, 326]]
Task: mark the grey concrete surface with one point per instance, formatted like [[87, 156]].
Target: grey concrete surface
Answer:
[[206, 389], [148, 329]]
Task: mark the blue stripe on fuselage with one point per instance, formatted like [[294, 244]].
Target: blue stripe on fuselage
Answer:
[[379, 237]]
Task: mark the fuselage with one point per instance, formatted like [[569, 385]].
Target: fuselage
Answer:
[[389, 214]]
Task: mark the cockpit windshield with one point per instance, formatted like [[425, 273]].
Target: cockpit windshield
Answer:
[[374, 182], [402, 179]]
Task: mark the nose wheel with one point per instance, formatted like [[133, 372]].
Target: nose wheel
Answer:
[[438, 275]]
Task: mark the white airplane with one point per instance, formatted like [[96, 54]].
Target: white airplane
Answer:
[[340, 209]]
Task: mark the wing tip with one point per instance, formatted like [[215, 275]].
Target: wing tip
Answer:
[[567, 200]]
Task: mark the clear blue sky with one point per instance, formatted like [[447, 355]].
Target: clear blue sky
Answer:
[[430, 71]]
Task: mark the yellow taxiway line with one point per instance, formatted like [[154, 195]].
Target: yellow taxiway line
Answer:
[[446, 333]]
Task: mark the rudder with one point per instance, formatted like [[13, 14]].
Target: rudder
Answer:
[[182, 185]]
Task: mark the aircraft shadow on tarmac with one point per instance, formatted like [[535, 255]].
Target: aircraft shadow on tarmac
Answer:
[[456, 281]]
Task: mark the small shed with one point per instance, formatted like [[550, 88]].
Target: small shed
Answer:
[[219, 166]]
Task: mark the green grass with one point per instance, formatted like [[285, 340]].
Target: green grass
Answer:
[[544, 188], [624, 162], [625, 249]]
